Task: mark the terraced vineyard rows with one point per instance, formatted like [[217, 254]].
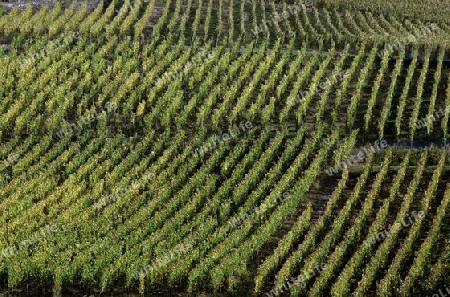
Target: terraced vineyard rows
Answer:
[[186, 147]]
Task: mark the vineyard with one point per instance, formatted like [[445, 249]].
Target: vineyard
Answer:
[[225, 148]]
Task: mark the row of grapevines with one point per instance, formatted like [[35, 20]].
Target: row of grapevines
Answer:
[[406, 86], [418, 100]]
